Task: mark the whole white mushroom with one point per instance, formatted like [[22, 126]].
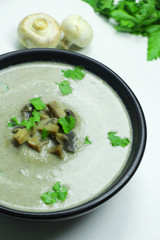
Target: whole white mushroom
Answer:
[[77, 31], [39, 30]]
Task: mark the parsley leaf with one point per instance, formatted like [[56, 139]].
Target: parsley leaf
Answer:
[[36, 116], [44, 134], [59, 193], [67, 123], [76, 73], [117, 141], [29, 124], [13, 122], [31, 121], [64, 87], [49, 197], [87, 141], [37, 103]]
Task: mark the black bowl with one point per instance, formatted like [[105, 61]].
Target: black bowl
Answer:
[[131, 103]]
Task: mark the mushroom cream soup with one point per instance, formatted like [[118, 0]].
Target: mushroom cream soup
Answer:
[[26, 174]]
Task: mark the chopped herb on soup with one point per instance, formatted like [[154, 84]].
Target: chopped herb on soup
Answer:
[[44, 134], [117, 141], [37, 103], [13, 122], [58, 193], [87, 141], [64, 87], [67, 123], [26, 123], [76, 73]]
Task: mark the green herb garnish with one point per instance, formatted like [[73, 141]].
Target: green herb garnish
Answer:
[[36, 116], [31, 121], [44, 134], [59, 193], [136, 17], [13, 122], [64, 87], [49, 197], [26, 123], [87, 141], [37, 103], [76, 73], [117, 141], [67, 123]]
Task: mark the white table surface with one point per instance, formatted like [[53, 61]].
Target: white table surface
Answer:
[[133, 213]]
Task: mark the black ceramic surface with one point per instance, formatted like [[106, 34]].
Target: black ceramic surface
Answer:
[[129, 100]]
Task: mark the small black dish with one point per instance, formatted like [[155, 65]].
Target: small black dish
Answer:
[[131, 103]]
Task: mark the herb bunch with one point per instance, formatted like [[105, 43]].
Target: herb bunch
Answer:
[[142, 17]]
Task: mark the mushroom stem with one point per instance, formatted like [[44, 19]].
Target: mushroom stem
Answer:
[[40, 24], [65, 43]]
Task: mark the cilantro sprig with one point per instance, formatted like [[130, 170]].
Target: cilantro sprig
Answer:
[[135, 17], [64, 87], [117, 141], [13, 122], [76, 73], [87, 141], [37, 103], [67, 123], [49, 197], [58, 193], [61, 191], [31, 121], [44, 134]]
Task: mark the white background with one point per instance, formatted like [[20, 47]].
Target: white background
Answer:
[[134, 213]]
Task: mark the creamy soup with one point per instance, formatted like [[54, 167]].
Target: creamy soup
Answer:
[[25, 174]]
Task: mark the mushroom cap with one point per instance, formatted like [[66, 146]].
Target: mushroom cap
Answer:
[[77, 30], [39, 30]]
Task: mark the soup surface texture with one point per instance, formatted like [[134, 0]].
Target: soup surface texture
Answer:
[[24, 173]]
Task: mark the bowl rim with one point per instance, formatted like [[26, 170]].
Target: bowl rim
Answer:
[[15, 57]]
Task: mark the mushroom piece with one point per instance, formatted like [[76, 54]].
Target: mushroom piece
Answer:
[[36, 143], [17, 128], [39, 30], [56, 110], [44, 115], [22, 136], [67, 141], [26, 112], [69, 113], [49, 124], [77, 31], [57, 150]]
